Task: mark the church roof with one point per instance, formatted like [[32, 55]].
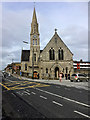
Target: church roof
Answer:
[[25, 55], [59, 39]]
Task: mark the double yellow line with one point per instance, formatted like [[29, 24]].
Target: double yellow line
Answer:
[[5, 86]]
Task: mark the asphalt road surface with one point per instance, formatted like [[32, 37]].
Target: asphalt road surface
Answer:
[[30, 99]]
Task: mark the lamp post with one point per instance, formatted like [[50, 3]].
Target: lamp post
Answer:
[[32, 58]]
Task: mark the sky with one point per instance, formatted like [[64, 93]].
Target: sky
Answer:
[[70, 19]]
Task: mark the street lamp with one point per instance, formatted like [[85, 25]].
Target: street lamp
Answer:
[[32, 58]]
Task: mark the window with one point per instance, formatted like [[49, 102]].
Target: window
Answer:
[[25, 66], [66, 69], [34, 57], [51, 54], [46, 70], [36, 41], [55, 40], [33, 41], [74, 75], [60, 54]]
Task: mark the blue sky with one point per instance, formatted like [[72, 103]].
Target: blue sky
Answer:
[[70, 18]]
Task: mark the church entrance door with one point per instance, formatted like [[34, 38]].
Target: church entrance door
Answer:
[[57, 72]]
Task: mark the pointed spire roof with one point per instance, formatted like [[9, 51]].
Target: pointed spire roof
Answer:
[[34, 16]]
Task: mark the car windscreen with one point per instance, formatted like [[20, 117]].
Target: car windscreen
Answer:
[[74, 75], [82, 75]]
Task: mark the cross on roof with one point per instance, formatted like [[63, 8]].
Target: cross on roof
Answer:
[[55, 30]]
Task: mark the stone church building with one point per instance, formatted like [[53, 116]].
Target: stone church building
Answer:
[[49, 62]]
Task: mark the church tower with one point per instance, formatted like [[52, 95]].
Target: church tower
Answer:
[[34, 41]]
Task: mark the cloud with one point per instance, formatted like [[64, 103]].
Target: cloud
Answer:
[[72, 27]]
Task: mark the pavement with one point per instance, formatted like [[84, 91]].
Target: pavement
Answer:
[[79, 85]]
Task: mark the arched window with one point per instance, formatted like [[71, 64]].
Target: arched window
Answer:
[[34, 57], [46, 70], [60, 54], [66, 69], [33, 41], [36, 41], [51, 54], [25, 66]]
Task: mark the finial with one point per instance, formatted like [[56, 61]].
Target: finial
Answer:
[[34, 4], [55, 30]]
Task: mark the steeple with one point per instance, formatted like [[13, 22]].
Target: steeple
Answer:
[[34, 24], [34, 16]]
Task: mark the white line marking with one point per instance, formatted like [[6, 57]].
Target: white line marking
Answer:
[[26, 92], [80, 91], [33, 93], [81, 114], [43, 97], [13, 94], [67, 88], [57, 87], [10, 80], [57, 103], [63, 97]]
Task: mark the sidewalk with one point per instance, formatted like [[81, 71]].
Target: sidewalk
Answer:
[[79, 85]]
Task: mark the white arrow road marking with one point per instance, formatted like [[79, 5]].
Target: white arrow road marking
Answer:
[[57, 103], [82, 114]]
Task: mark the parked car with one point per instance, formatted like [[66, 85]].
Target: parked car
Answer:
[[78, 77], [88, 77]]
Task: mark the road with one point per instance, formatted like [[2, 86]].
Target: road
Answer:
[[31, 99]]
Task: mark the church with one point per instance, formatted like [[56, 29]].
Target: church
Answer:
[[48, 63]]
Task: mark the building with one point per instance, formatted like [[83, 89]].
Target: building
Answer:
[[14, 68], [56, 57], [81, 67]]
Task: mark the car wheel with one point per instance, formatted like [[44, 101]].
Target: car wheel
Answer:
[[86, 80], [78, 80]]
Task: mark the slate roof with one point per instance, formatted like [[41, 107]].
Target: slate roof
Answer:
[[25, 55]]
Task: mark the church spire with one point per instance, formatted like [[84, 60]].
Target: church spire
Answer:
[[34, 16], [34, 24]]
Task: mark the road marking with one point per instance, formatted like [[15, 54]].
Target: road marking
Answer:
[[13, 94], [80, 91], [82, 114], [5, 86], [43, 97], [63, 97], [33, 93], [26, 92], [67, 88], [57, 103], [57, 87]]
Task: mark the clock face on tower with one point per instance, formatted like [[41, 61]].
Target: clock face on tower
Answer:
[[34, 36]]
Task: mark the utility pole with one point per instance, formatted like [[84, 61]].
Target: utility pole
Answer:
[[12, 65], [32, 62]]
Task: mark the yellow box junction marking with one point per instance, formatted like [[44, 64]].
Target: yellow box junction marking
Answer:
[[5, 86], [22, 85]]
